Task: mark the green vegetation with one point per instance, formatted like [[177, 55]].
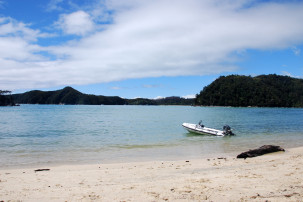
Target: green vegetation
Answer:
[[234, 90], [68, 95], [6, 98], [260, 91], [71, 96], [174, 101], [141, 101], [162, 101]]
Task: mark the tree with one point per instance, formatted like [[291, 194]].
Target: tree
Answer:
[[4, 92], [6, 98]]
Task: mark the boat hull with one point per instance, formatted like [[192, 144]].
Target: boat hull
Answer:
[[195, 128]]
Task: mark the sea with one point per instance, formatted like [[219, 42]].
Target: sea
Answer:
[[39, 135]]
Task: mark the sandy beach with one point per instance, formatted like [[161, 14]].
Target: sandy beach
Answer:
[[273, 177]]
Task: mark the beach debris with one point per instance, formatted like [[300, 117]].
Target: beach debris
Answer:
[[43, 169], [290, 195], [265, 149]]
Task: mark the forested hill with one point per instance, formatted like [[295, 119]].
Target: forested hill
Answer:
[[260, 91], [163, 101], [70, 96], [67, 95]]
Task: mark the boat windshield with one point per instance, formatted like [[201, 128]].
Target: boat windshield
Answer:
[[200, 124]]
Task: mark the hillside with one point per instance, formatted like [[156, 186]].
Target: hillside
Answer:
[[260, 91], [163, 101], [70, 96]]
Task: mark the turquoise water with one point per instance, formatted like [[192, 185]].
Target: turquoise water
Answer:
[[62, 134]]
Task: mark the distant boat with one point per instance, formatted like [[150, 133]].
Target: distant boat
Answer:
[[201, 129]]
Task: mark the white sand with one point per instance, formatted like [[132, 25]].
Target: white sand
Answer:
[[274, 177]]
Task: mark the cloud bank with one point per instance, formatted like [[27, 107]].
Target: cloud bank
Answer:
[[118, 40]]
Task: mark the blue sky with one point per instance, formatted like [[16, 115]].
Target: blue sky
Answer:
[[145, 48]]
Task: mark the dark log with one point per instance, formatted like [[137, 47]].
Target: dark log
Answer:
[[265, 149], [38, 170]]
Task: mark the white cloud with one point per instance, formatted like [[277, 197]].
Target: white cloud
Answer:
[[151, 86], [115, 88], [189, 96], [159, 98], [17, 44], [78, 23], [54, 5], [285, 73], [296, 51], [149, 39], [12, 28]]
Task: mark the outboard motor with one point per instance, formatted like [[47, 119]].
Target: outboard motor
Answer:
[[227, 130]]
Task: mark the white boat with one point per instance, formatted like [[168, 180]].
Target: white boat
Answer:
[[201, 129]]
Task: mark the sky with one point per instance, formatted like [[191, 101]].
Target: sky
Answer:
[[145, 48]]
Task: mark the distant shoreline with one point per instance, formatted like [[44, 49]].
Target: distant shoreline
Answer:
[[20, 104]]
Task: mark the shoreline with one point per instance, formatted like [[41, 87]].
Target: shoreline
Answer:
[[277, 176], [135, 159]]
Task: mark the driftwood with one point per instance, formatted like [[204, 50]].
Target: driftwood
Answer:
[[265, 149], [43, 169]]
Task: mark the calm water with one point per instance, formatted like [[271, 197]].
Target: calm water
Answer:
[[54, 134]]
